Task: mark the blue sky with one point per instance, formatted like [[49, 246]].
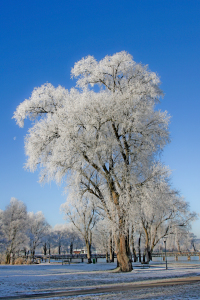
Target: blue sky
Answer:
[[40, 42]]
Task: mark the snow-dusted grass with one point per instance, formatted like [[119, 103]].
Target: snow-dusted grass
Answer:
[[28, 279]]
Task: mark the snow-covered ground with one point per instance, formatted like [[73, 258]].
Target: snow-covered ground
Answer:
[[28, 279]]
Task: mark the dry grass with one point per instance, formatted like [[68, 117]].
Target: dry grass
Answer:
[[2, 259], [19, 261]]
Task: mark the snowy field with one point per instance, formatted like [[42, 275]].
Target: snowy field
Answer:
[[43, 278]]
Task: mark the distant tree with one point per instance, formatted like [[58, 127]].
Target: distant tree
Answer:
[[2, 237], [38, 229], [14, 228], [48, 241], [81, 212], [160, 210], [61, 234], [103, 238]]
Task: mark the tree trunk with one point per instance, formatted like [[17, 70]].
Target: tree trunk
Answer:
[[139, 250], [88, 247], [132, 245], [178, 246], [134, 255], [111, 249], [45, 249], [147, 245], [71, 248], [122, 240], [107, 257], [8, 258], [148, 253], [123, 254]]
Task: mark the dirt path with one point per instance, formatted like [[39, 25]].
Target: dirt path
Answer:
[[111, 288]]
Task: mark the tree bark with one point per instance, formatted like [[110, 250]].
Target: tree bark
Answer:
[[122, 255], [122, 240]]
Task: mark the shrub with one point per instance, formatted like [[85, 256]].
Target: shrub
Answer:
[[19, 261], [29, 261], [2, 259]]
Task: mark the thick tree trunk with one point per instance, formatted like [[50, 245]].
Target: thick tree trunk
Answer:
[[134, 255], [147, 245], [45, 249], [88, 247], [122, 240], [148, 253], [8, 258], [122, 255]]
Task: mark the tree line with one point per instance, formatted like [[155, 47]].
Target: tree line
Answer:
[[22, 233]]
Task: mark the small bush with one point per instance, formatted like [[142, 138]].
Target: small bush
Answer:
[[19, 261], [2, 259], [29, 261]]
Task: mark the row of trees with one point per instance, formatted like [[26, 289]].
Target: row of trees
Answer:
[[104, 138], [158, 213], [21, 232]]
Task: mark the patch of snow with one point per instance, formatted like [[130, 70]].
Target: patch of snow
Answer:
[[43, 278]]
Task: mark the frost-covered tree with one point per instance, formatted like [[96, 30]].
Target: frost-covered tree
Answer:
[[14, 226], [61, 234], [81, 212], [103, 238], [107, 134], [160, 210], [38, 228], [48, 241]]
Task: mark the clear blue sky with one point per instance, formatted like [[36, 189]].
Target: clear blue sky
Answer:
[[41, 40]]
